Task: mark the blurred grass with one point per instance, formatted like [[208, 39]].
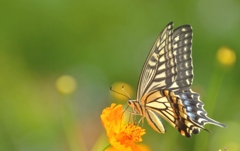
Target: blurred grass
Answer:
[[100, 43]]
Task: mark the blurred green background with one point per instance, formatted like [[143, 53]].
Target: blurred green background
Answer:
[[99, 43]]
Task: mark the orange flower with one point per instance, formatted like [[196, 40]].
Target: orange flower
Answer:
[[121, 137]]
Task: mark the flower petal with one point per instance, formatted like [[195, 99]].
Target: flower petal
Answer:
[[121, 137]]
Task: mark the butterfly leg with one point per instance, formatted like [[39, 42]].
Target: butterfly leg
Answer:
[[141, 120]]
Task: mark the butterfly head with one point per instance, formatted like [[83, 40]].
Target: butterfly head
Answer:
[[134, 104], [131, 103]]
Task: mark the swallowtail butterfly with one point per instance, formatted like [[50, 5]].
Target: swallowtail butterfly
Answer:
[[164, 85]]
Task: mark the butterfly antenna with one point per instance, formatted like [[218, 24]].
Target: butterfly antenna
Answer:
[[127, 96], [126, 92]]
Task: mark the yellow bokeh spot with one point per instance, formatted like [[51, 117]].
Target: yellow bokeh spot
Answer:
[[66, 84], [118, 88], [226, 56]]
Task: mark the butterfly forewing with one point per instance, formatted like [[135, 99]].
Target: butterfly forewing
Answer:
[[159, 70]]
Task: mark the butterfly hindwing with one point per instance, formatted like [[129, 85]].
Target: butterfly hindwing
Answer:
[[195, 110], [166, 104]]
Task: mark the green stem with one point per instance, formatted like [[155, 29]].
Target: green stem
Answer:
[[213, 91], [68, 121], [215, 84]]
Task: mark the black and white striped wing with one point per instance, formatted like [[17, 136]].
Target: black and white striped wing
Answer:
[[169, 63], [182, 45], [159, 70], [195, 110], [169, 71], [182, 51]]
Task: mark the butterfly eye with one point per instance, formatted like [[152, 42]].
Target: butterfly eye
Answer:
[[129, 102]]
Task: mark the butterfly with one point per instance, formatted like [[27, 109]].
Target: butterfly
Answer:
[[164, 85]]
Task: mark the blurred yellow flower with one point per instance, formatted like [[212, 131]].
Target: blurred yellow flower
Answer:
[[140, 147], [143, 147], [66, 84], [226, 56], [122, 137], [118, 87]]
